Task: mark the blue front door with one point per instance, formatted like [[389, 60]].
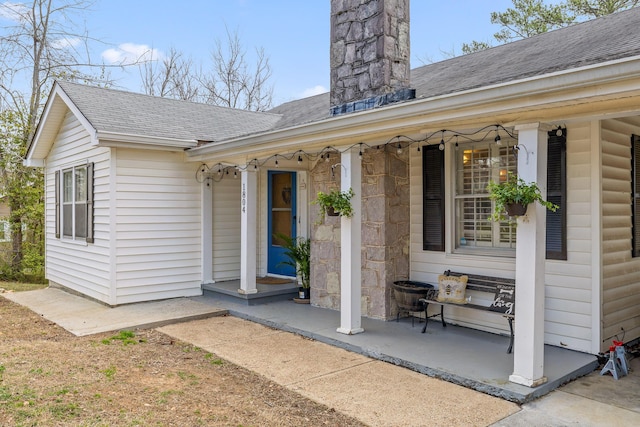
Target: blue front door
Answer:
[[282, 219]]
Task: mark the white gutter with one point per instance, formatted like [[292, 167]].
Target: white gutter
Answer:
[[117, 139], [506, 97]]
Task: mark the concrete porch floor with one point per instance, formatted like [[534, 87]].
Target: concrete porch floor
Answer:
[[463, 356]]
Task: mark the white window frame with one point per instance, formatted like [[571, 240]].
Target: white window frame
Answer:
[[72, 197], [498, 161]]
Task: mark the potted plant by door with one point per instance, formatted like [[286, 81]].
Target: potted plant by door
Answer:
[[335, 203], [298, 250], [513, 196]]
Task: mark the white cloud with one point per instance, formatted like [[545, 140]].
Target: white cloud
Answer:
[[129, 53], [13, 11], [316, 90], [66, 42]]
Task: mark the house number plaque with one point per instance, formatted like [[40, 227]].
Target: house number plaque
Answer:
[[244, 198]]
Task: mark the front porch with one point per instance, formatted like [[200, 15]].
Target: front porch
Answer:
[[265, 293], [464, 356]]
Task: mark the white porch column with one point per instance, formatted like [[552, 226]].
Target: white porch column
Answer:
[[528, 360], [350, 246], [206, 228], [248, 232]]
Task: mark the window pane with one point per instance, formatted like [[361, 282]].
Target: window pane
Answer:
[[67, 185], [81, 220], [67, 220], [477, 164], [81, 184]]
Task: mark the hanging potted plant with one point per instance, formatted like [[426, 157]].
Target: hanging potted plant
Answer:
[[335, 203], [513, 196], [298, 251]]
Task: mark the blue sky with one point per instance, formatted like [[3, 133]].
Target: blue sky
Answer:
[[294, 33]]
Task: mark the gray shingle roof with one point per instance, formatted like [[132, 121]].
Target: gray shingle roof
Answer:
[[608, 38], [136, 114]]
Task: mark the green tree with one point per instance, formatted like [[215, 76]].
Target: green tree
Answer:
[[530, 17], [39, 42], [23, 190], [597, 8]]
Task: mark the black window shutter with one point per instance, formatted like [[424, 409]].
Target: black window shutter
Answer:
[[57, 209], [433, 198], [635, 200], [557, 194], [89, 203]]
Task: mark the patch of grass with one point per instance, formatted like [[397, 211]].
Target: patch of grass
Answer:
[[214, 360], [126, 337], [21, 287], [5, 394], [65, 411], [110, 372]]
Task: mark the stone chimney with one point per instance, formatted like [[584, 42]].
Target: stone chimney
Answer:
[[369, 54]]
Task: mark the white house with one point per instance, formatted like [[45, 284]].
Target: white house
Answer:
[[142, 204]]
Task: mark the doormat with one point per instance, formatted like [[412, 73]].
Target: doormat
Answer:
[[272, 281]]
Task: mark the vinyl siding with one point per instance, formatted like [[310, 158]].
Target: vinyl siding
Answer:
[[568, 284], [157, 226], [568, 307], [226, 229], [81, 267], [621, 271]]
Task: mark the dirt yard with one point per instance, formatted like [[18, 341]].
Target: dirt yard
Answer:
[[49, 377]]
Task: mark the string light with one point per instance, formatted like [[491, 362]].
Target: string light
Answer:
[[399, 142]]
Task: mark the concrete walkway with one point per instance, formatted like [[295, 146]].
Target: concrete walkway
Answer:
[[378, 393], [82, 316]]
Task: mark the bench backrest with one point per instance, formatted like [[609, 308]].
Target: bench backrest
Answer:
[[482, 283]]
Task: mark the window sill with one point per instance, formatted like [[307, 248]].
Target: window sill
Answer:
[[484, 252]]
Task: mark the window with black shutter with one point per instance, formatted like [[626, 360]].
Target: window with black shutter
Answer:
[[74, 203], [635, 200], [557, 194], [433, 198]]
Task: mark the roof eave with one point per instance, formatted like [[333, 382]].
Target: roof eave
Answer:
[[50, 121], [530, 92], [117, 139]]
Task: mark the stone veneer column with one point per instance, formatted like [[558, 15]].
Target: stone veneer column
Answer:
[[325, 241], [385, 228], [385, 233]]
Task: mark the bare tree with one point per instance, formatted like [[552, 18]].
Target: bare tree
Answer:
[[172, 77], [232, 83], [40, 44]]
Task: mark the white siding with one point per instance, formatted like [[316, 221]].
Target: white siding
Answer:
[[78, 266], [427, 265], [226, 229], [569, 298], [157, 225], [621, 271], [568, 307]]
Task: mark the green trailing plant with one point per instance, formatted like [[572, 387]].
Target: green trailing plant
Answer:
[[298, 250], [339, 201], [514, 190]]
